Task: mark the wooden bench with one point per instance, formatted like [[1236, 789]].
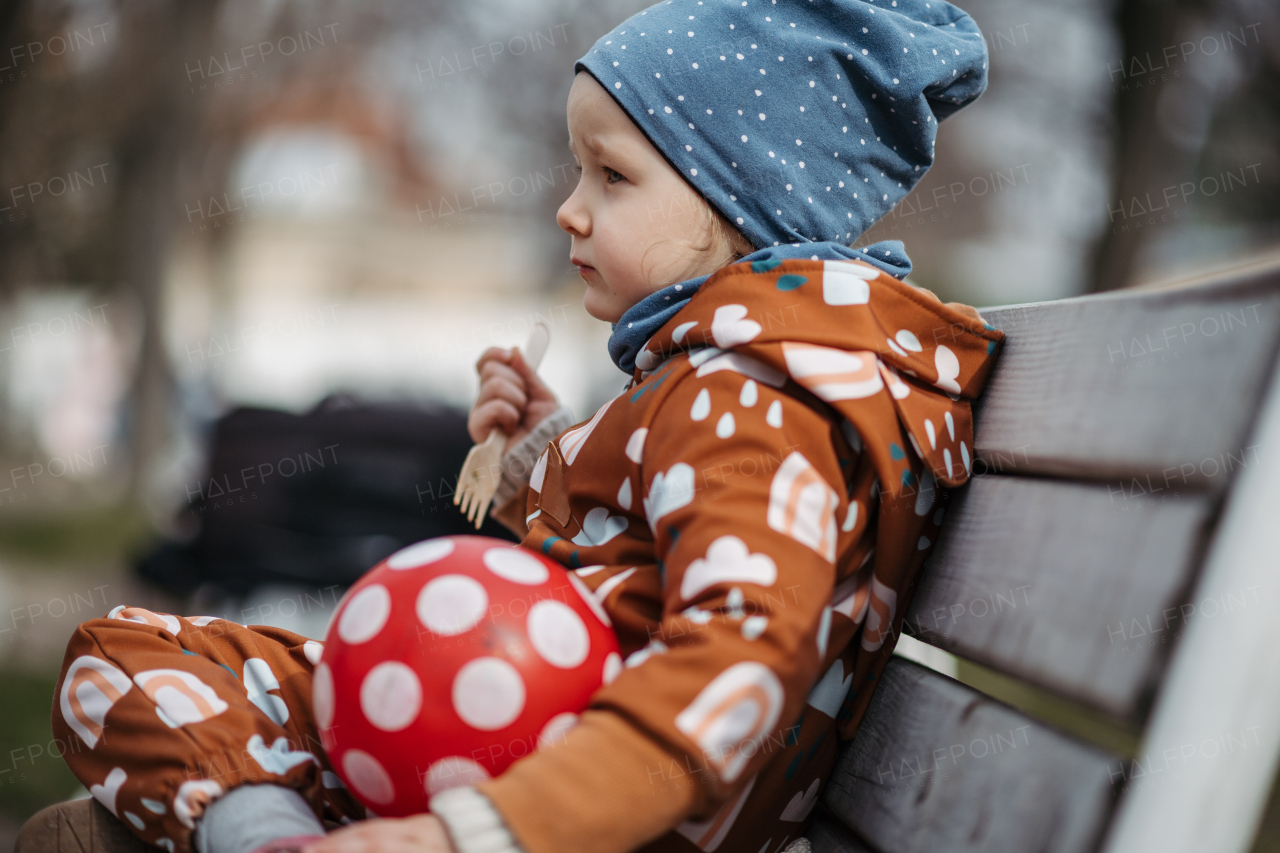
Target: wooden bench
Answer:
[[1118, 551]]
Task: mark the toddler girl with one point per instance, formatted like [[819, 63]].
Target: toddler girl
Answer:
[[751, 511]]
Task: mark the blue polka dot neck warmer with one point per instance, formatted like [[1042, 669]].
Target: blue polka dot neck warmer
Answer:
[[650, 314], [802, 121], [799, 120]]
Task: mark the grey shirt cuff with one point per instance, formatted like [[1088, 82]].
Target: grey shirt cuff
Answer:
[[518, 462], [473, 824], [250, 816]]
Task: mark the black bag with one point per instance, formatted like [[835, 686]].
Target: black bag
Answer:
[[318, 498]]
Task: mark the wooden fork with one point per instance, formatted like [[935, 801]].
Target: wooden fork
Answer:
[[482, 468]]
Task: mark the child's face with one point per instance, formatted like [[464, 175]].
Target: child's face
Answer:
[[629, 201]]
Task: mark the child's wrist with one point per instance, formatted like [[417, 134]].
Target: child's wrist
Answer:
[[473, 824], [518, 461]]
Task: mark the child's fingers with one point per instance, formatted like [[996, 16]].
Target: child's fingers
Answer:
[[485, 416], [504, 388], [493, 354], [491, 369]]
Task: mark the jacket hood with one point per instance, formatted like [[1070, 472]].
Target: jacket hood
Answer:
[[891, 358]]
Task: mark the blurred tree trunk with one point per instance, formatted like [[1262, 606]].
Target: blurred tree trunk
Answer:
[[1141, 155], [150, 156], [1163, 106], [132, 109]]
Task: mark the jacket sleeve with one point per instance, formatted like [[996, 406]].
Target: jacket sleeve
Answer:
[[742, 492], [519, 459], [161, 715], [513, 513], [512, 494]]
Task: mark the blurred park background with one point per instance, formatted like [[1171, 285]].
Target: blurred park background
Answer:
[[316, 215]]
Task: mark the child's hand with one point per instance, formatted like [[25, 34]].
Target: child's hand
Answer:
[[418, 834], [511, 397]]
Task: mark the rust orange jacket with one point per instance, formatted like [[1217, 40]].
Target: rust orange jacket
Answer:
[[752, 512]]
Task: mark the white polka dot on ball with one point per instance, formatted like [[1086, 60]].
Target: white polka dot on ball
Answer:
[[455, 771], [488, 693], [322, 696], [612, 667], [556, 729], [391, 696], [587, 596], [420, 554], [368, 777], [365, 614], [452, 604], [312, 651], [557, 634], [516, 565]]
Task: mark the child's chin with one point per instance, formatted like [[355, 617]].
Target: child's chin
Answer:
[[599, 308]]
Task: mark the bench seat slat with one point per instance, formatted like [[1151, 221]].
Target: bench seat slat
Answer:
[[937, 766], [1066, 585]]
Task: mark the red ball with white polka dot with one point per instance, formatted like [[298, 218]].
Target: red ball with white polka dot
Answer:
[[450, 660]]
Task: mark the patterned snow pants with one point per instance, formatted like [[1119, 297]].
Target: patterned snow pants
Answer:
[[164, 713]]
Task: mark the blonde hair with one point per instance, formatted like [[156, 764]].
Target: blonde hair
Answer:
[[717, 237]]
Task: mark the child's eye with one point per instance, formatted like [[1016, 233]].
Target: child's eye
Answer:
[[609, 173], [577, 170]]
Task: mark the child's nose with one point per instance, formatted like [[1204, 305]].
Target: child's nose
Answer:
[[573, 216]]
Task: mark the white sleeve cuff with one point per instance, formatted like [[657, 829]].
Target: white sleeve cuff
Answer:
[[474, 825], [518, 462]]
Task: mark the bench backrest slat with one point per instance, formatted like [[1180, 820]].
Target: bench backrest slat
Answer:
[[1079, 392], [937, 766], [1067, 585]]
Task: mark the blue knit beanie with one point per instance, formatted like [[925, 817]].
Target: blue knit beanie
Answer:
[[799, 120]]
